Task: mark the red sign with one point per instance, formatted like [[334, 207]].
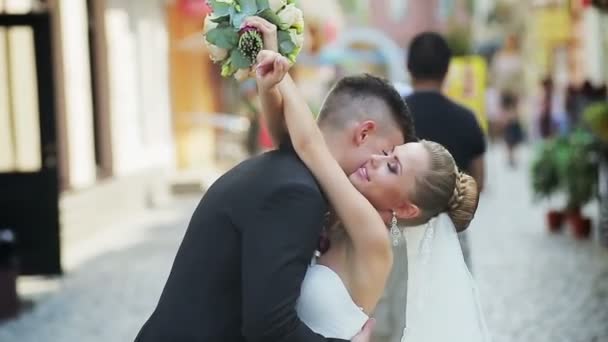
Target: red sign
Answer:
[[194, 8]]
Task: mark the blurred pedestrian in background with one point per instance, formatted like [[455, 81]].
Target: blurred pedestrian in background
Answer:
[[513, 132], [507, 78], [439, 119]]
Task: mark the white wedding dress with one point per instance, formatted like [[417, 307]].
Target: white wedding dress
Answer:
[[326, 307], [442, 298]]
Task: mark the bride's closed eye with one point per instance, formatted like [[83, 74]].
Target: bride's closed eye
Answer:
[[391, 166]]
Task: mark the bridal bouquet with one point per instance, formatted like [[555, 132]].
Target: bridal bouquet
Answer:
[[236, 47]]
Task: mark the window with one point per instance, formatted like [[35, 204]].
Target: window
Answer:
[[19, 116]]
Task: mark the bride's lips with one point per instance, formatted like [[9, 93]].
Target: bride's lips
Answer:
[[363, 173]]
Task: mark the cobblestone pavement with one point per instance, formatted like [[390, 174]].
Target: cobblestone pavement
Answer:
[[535, 287], [108, 297]]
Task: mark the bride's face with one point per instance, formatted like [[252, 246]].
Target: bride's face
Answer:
[[387, 180]]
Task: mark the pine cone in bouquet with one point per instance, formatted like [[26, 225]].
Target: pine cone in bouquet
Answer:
[[250, 43], [236, 47]]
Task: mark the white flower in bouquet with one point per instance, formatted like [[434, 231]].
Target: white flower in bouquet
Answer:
[[276, 5], [235, 46], [242, 74], [291, 16], [216, 53]]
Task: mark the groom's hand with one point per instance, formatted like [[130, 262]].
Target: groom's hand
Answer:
[[366, 333], [271, 69]]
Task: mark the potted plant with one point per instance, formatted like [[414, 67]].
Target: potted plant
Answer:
[[595, 116], [545, 177], [580, 175]]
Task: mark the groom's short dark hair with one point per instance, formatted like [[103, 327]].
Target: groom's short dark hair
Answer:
[[363, 97]]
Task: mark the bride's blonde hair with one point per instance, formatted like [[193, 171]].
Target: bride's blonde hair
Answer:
[[443, 188]]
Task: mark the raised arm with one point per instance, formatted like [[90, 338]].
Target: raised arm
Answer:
[[270, 99], [361, 220]]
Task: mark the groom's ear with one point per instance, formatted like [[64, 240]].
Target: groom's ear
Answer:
[[407, 211], [364, 130]]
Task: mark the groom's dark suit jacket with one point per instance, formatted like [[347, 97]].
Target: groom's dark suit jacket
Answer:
[[238, 271]]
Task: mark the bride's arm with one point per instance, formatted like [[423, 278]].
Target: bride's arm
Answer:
[[272, 109], [361, 220], [270, 98]]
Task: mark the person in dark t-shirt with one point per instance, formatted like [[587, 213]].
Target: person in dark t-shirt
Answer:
[[438, 118]]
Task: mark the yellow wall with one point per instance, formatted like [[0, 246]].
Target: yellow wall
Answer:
[[193, 82], [466, 84]]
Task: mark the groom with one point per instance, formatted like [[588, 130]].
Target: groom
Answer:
[[238, 271]]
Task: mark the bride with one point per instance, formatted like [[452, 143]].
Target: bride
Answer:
[[343, 286]]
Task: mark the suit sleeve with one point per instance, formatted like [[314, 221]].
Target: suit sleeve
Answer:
[[278, 243]]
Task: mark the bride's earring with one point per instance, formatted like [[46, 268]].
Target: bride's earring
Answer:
[[395, 231]]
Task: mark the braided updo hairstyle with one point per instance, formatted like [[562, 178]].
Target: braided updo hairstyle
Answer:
[[443, 188]]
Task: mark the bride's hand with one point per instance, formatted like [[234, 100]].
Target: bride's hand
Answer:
[[271, 69], [268, 30]]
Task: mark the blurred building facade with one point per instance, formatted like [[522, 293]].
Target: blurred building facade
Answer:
[[110, 83], [403, 19], [113, 103], [196, 87]]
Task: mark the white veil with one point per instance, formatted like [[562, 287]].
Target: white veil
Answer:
[[443, 305]]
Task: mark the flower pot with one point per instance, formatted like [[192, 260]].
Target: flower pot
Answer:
[[555, 220], [581, 228], [573, 215]]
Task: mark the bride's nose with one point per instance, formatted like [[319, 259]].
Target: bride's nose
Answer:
[[377, 160]]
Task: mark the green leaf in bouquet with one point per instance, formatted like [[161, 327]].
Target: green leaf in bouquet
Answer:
[[272, 17], [224, 37], [247, 9], [262, 5], [286, 48], [222, 19], [286, 45], [220, 9], [239, 60], [249, 6]]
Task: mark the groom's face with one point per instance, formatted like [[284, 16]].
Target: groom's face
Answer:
[[372, 141]]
